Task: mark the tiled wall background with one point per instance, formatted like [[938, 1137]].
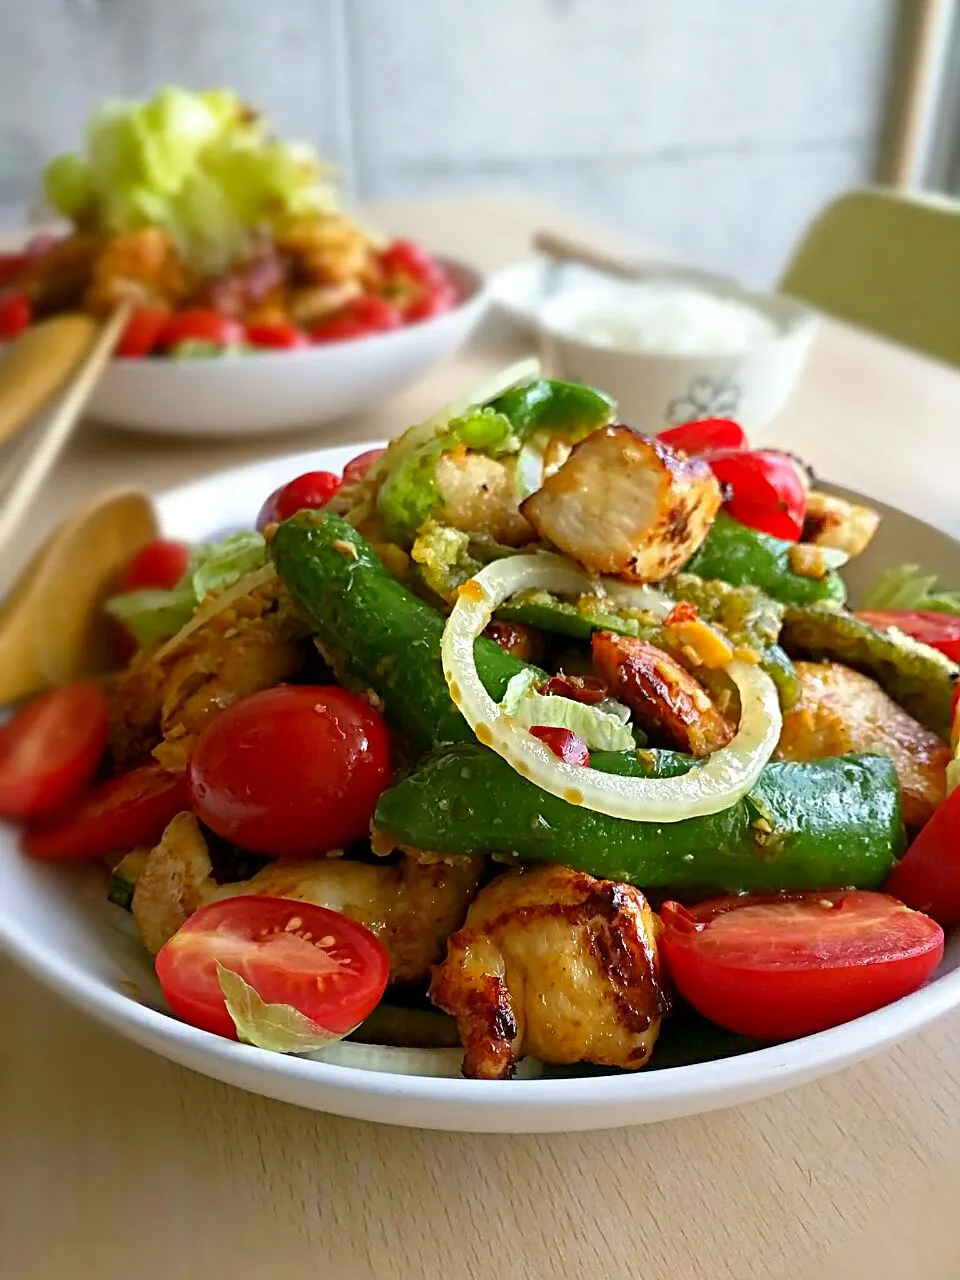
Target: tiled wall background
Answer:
[[716, 127]]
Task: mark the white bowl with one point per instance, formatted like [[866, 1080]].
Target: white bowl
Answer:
[[264, 391], [54, 920], [654, 391]]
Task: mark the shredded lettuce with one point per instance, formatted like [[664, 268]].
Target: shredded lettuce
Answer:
[[604, 727], [155, 615], [202, 166], [278, 1027], [907, 588]]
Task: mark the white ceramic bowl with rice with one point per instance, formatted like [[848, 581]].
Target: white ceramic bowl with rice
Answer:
[[678, 345]]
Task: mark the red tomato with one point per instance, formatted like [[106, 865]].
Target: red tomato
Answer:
[[927, 877], [279, 337], [707, 436], [291, 771], [338, 328], [563, 743], [308, 492], [328, 967], [777, 966], [358, 467], [11, 265], [160, 565], [201, 324], [15, 316], [51, 748], [114, 817], [364, 315], [407, 258], [142, 334], [767, 491], [430, 303], [939, 630]]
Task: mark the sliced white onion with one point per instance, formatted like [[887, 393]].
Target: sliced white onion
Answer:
[[408, 1062], [709, 787], [638, 596]]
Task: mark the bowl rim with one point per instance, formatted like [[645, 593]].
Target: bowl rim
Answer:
[[706, 1085]]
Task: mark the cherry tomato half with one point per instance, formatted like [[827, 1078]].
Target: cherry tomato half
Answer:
[[364, 315], [706, 436], [407, 258], [328, 967], [939, 630], [358, 467], [160, 565], [768, 493], [563, 743], [201, 324], [115, 817], [291, 771], [51, 748], [277, 337], [927, 877], [141, 337], [15, 316], [308, 492], [433, 301], [778, 966]]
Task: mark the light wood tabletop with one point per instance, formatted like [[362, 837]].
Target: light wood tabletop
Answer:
[[115, 1163]]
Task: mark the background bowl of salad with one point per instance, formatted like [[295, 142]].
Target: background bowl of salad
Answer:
[[260, 304]]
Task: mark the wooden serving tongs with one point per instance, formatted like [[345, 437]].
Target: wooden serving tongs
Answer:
[[51, 627]]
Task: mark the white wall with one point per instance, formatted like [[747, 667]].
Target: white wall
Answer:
[[714, 126]]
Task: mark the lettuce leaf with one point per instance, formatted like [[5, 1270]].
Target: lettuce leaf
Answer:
[[907, 588], [603, 727], [278, 1027], [153, 615], [202, 166]]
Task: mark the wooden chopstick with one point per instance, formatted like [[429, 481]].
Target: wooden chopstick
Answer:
[[32, 462]]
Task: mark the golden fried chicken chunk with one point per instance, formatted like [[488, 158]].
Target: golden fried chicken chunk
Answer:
[[143, 265], [479, 497], [328, 249], [834, 522], [666, 700], [627, 505], [840, 710], [557, 964], [412, 907], [163, 700]]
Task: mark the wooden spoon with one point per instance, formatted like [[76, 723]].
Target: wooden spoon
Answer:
[[38, 363], [52, 626]]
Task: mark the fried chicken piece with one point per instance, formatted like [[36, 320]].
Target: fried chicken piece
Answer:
[[142, 264], [167, 699], [557, 964], [839, 710], [57, 279], [666, 700], [479, 497], [834, 522], [412, 907], [627, 505], [326, 248]]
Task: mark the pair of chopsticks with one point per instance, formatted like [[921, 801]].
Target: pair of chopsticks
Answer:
[[32, 370]]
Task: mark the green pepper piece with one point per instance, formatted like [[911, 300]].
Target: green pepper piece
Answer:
[[920, 679], [804, 826], [376, 634], [742, 556], [568, 409]]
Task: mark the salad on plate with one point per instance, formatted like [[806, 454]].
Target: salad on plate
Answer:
[[229, 239], [529, 744]]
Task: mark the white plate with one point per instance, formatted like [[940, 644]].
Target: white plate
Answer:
[[55, 921], [264, 391]]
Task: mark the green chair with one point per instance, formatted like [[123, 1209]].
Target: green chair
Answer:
[[888, 262]]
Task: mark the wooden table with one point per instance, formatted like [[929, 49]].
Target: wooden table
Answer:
[[114, 1163]]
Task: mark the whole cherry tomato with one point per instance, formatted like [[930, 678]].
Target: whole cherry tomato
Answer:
[[141, 337], [358, 467], [15, 315], [312, 490], [277, 337], [201, 324]]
